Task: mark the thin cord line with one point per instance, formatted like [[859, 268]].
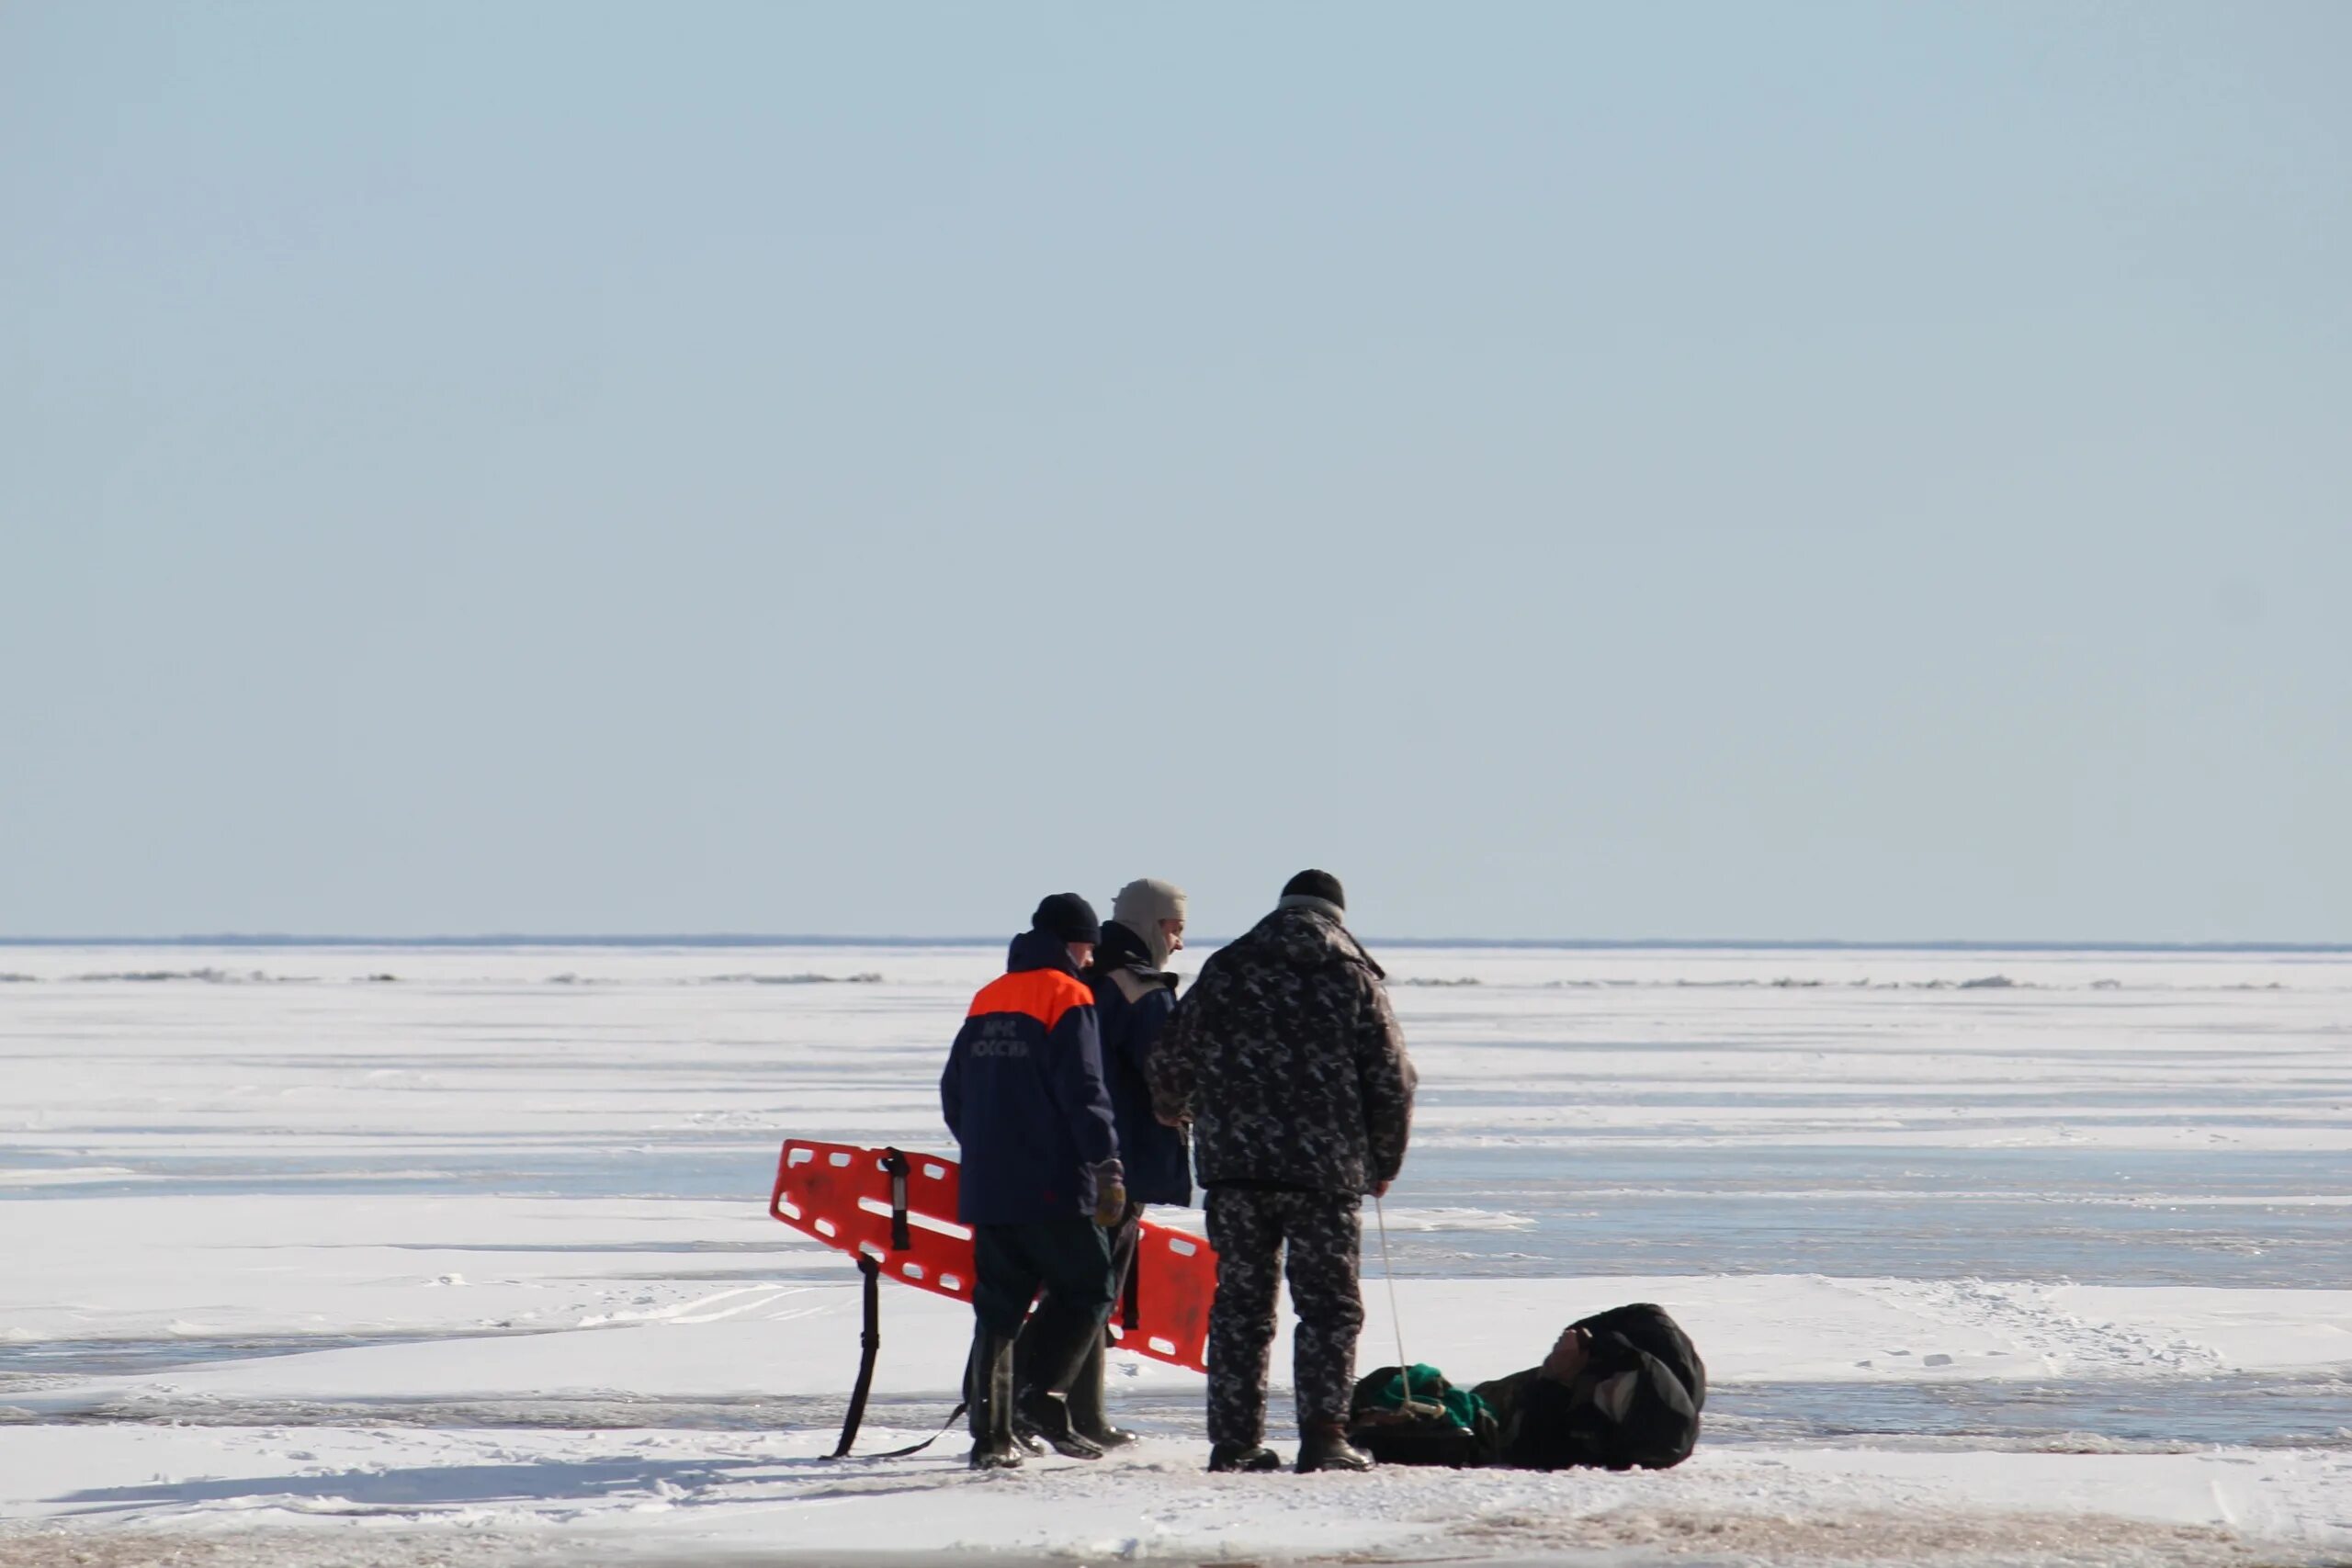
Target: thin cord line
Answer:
[[1395, 1319]]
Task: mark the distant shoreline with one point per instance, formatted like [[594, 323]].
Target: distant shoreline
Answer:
[[1566, 944]]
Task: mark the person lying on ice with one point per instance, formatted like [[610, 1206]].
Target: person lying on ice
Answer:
[[1023, 1095], [1620, 1390]]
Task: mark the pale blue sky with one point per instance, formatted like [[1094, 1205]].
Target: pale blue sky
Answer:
[[1867, 471]]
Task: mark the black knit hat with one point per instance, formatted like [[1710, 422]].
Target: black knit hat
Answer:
[[1069, 917], [1316, 885]]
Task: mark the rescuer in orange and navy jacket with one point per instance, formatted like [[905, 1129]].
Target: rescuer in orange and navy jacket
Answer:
[[1023, 1095], [1024, 1091]]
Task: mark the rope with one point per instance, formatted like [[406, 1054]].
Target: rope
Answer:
[[1396, 1320]]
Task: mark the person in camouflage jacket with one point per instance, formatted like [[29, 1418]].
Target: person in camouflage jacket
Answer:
[[1287, 1062]]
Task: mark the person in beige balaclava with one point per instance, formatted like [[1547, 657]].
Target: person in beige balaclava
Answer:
[[1134, 995]]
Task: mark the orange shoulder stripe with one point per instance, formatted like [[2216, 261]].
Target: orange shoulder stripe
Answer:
[[1043, 994]]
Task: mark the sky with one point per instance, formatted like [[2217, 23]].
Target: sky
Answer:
[[1855, 471]]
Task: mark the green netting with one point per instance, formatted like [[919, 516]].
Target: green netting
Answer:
[[1430, 1387]]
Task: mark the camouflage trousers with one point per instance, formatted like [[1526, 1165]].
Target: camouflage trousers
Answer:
[[1324, 1234]]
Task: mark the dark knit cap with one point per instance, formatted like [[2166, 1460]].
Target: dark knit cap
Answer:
[[1316, 885], [1069, 917]]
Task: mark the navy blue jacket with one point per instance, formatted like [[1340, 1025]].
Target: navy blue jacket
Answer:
[[1023, 1092], [1134, 1002]]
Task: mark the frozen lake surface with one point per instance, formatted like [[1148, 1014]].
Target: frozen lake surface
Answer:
[[2035, 1256]]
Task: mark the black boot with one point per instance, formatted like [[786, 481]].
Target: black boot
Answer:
[[989, 1391], [1023, 1376], [1051, 1346], [1044, 1411], [1087, 1417], [1325, 1446], [1227, 1457]]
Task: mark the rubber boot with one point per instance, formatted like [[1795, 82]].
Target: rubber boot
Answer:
[[1055, 1341], [990, 1395], [1047, 1415], [1087, 1417], [1229, 1457], [1024, 1368], [1325, 1446]]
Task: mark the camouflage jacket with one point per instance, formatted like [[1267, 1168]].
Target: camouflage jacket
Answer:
[[1288, 1062]]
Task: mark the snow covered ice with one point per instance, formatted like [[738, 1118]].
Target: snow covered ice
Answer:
[[346, 1255]]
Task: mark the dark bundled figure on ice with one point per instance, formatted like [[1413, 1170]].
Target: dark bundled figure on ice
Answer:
[[1621, 1389]]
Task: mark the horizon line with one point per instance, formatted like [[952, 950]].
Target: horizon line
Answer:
[[739, 940]]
